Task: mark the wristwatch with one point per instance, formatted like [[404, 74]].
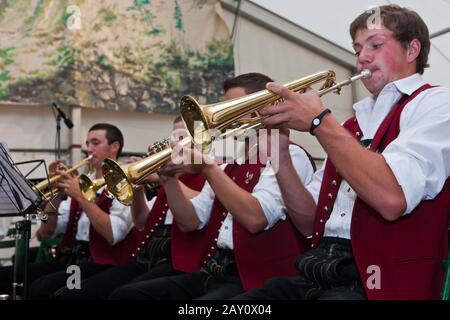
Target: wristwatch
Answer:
[[318, 120]]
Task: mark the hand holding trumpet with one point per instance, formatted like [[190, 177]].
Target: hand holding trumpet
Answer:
[[185, 159], [69, 184], [296, 111], [55, 165], [152, 178]]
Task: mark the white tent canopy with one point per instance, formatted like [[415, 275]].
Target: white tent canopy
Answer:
[[331, 19]]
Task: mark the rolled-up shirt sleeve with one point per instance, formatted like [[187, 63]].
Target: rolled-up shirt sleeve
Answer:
[[268, 193], [419, 156], [315, 184], [121, 221], [63, 217], [203, 204]]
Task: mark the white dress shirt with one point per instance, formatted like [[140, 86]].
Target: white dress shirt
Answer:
[[418, 157], [120, 216], [266, 191]]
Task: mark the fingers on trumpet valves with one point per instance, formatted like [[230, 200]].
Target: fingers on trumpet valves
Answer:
[[158, 146], [133, 159], [56, 166]]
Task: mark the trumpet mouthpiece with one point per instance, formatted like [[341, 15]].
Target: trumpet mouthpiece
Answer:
[[366, 73]]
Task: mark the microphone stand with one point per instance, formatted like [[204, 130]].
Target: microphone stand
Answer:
[[58, 133], [58, 137], [58, 116]]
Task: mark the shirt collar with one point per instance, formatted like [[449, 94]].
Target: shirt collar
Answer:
[[404, 86], [409, 84]]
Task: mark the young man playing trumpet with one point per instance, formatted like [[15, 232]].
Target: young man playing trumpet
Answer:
[[235, 230], [151, 256], [378, 210], [95, 236]]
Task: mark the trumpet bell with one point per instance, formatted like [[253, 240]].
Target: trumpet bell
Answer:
[[196, 122], [90, 187], [122, 180], [117, 181]]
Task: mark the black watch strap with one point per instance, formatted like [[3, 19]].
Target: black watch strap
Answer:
[[318, 120]]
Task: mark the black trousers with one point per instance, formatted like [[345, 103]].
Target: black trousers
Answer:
[[217, 281], [154, 261], [45, 287], [328, 272], [101, 285], [78, 252], [35, 271]]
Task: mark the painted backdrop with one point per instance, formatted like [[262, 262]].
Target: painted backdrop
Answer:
[[129, 55]]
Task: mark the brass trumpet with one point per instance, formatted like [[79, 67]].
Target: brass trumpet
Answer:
[[221, 116], [90, 187], [122, 180], [41, 186]]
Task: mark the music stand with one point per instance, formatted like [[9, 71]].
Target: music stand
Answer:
[[17, 198]]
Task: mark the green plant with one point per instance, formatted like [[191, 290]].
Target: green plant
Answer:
[[4, 76], [107, 15], [138, 5], [220, 53], [101, 59], [178, 16], [65, 56], [5, 56], [37, 10]]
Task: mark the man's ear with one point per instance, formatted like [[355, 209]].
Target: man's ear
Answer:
[[115, 146], [413, 50]]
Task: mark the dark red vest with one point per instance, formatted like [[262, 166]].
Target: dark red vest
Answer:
[[259, 257], [409, 251], [101, 251], [158, 212]]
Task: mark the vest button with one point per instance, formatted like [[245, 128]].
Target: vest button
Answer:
[[209, 255], [215, 239], [312, 245], [212, 248], [156, 224], [321, 220], [317, 233], [160, 218], [132, 255], [330, 196], [234, 178], [143, 242], [138, 249], [334, 183], [152, 230], [325, 208], [147, 236]]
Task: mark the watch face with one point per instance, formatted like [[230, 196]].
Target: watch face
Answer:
[[316, 122]]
